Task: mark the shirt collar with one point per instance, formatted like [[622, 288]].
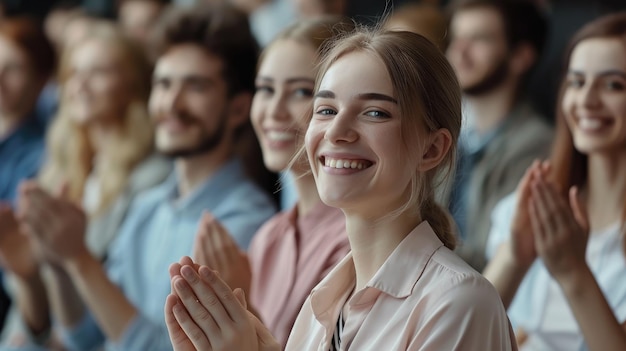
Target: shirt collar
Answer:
[[397, 277], [210, 192], [403, 268]]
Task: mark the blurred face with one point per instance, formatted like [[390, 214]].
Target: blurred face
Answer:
[[97, 88], [189, 101], [137, 17], [284, 89], [594, 102], [19, 86], [354, 141], [478, 50]]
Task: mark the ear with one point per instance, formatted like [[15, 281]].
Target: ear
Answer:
[[239, 109], [523, 58], [436, 149]]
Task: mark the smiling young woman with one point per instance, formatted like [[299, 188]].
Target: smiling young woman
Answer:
[[381, 134]]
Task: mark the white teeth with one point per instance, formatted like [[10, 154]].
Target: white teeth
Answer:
[[274, 135], [339, 163], [590, 124]]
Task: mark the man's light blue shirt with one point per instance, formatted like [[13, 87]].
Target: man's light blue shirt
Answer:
[[158, 231]]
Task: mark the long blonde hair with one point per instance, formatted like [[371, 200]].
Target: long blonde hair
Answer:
[[70, 151]]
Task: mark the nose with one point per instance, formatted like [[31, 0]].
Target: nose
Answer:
[[77, 82], [589, 96], [171, 100], [277, 108], [341, 129]]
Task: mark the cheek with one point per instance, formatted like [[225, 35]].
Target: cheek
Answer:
[[314, 134], [298, 110], [257, 111]]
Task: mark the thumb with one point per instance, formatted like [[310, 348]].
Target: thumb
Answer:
[[264, 335], [578, 208]]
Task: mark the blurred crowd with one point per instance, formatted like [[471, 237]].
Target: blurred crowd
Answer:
[[137, 132]]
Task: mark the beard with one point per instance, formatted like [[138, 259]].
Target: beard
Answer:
[[207, 141], [492, 80]]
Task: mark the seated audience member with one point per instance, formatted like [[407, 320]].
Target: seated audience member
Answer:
[[561, 254], [201, 94], [421, 18], [494, 45], [27, 61], [101, 145], [386, 116], [294, 250]]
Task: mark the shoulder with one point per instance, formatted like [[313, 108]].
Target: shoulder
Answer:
[[149, 172], [272, 230], [455, 281]]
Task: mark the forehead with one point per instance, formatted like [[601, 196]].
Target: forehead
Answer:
[[482, 19], [94, 51], [357, 73], [188, 60], [599, 54], [288, 58]]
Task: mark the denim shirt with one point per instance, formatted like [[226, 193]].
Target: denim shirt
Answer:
[[159, 230], [21, 155]]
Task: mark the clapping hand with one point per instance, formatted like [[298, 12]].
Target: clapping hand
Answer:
[[203, 313]]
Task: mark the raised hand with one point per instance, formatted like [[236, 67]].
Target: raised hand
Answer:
[[16, 254], [211, 315], [522, 239], [56, 225], [215, 248], [561, 230]]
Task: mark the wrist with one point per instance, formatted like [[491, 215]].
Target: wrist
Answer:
[[78, 263], [575, 281]]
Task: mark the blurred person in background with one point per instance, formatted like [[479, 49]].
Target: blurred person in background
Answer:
[[27, 60], [100, 148], [494, 45]]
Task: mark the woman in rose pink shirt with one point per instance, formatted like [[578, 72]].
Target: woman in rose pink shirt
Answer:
[[382, 135], [295, 249]]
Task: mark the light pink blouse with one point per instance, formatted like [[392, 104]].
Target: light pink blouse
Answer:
[[289, 255], [423, 297]]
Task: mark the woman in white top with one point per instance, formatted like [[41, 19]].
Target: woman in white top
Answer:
[[382, 132], [574, 297]]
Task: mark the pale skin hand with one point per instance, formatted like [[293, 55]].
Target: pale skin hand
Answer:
[[214, 247], [513, 258], [203, 313], [57, 225], [561, 233], [16, 254]]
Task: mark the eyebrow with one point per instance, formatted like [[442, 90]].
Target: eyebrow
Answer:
[[327, 94], [290, 80], [611, 72], [189, 78]]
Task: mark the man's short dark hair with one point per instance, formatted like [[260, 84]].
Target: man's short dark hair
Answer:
[[523, 21], [223, 31]]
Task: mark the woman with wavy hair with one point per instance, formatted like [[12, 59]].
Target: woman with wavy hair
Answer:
[[100, 155], [560, 258]]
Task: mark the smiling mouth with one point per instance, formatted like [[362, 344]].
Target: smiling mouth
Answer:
[[342, 163], [593, 124]]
